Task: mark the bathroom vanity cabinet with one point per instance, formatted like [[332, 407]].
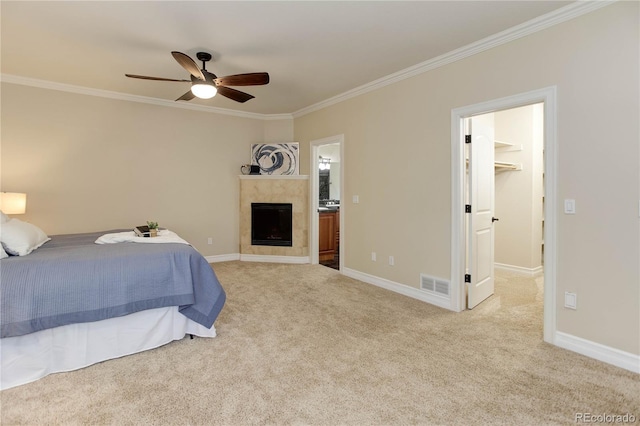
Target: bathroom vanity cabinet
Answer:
[[329, 234]]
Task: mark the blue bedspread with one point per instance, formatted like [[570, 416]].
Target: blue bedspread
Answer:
[[70, 279]]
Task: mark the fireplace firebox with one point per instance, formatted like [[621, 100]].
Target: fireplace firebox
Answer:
[[272, 224]]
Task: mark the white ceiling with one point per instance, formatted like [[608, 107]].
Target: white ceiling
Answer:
[[313, 50]]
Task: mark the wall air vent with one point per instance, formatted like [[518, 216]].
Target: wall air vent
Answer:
[[427, 283], [442, 287], [434, 285]]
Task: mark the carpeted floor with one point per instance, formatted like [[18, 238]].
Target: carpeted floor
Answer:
[[301, 344]]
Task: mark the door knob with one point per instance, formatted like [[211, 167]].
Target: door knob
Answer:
[[494, 219]]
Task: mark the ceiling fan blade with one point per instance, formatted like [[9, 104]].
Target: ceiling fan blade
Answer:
[[234, 94], [250, 79], [186, 97], [188, 64], [146, 77]]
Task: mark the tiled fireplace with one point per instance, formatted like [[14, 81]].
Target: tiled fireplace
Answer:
[[292, 190]]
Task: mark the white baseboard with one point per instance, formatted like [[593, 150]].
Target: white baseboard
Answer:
[[594, 350], [403, 289], [274, 259], [223, 257], [530, 272], [257, 258]]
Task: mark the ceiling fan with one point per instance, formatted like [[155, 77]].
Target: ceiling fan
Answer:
[[205, 85]]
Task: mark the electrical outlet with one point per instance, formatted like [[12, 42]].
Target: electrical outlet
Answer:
[[356, 199], [373, 256], [210, 240], [392, 261]]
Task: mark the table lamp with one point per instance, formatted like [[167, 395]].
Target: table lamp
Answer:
[[13, 202]]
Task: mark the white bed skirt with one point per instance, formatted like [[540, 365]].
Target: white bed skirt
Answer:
[[24, 359]]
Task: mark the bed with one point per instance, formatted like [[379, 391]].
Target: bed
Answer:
[[72, 303]]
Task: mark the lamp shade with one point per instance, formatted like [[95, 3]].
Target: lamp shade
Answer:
[[204, 91], [13, 202]]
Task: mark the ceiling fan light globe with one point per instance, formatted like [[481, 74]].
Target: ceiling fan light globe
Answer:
[[204, 91]]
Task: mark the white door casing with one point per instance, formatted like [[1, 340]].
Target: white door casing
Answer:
[[480, 234], [548, 96], [313, 197]]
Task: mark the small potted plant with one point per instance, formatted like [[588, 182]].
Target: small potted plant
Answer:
[[153, 228]]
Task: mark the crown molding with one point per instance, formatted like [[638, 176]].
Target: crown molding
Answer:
[[571, 11], [44, 84], [270, 117], [566, 13]]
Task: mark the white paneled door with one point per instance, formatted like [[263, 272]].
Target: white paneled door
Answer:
[[481, 217]]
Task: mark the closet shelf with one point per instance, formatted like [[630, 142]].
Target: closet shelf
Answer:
[[502, 166], [500, 144], [499, 165], [506, 146]]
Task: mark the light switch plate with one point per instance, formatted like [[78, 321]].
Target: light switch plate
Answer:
[[570, 300], [570, 206]]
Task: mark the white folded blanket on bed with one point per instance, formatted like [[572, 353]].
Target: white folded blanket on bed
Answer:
[[164, 236]]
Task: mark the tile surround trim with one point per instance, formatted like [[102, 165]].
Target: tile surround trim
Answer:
[[275, 189]]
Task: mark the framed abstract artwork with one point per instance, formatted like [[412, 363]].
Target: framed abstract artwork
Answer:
[[276, 158]]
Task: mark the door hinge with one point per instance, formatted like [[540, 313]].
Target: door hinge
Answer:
[[467, 138], [467, 208], [467, 278]]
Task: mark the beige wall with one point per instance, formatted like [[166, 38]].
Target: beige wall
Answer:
[[518, 196], [397, 159], [277, 131], [89, 163]]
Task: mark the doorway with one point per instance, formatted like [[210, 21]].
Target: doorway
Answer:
[[459, 254], [329, 205], [327, 213], [505, 197]]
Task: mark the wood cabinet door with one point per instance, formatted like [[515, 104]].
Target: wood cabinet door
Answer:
[[327, 239]]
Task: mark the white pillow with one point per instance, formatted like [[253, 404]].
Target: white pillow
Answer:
[[3, 217], [21, 238], [3, 253]]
